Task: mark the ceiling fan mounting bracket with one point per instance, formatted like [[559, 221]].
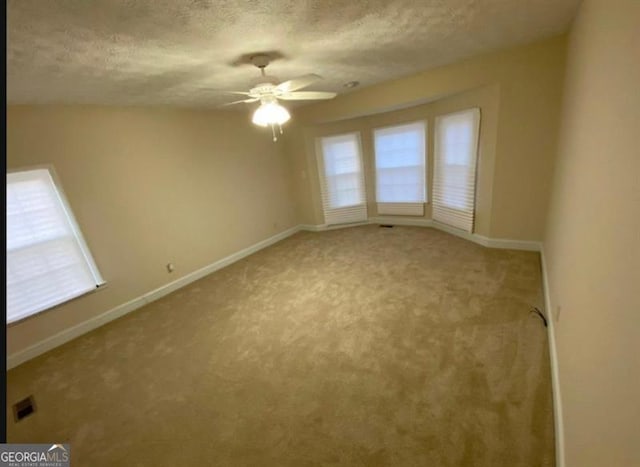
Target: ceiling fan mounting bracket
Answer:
[[261, 61]]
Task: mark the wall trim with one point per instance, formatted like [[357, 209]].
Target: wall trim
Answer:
[[508, 244], [418, 221], [502, 243], [555, 371], [323, 227], [71, 333], [312, 227]]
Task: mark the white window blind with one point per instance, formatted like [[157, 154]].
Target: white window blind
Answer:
[[342, 179], [400, 169], [455, 158], [48, 262]]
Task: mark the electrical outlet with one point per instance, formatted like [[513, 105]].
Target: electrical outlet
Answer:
[[170, 267]]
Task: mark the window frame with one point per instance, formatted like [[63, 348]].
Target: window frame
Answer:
[[333, 215], [101, 283], [442, 211]]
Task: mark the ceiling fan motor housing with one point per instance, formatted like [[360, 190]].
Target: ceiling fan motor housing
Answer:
[[266, 92]]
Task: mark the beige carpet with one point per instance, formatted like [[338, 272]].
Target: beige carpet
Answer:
[[354, 347]]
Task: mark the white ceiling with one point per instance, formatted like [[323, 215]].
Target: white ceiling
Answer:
[[179, 52]]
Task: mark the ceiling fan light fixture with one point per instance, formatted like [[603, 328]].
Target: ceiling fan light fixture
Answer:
[[270, 113]]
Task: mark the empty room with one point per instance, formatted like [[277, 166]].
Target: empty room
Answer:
[[322, 233]]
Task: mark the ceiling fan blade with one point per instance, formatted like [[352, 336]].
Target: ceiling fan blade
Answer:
[[237, 92], [307, 95], [298, 83], [240, 102]]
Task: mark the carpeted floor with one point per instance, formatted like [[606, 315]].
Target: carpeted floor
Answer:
[[354, 347]]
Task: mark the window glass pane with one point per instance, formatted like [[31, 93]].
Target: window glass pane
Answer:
[[33, 214], [342, 171], [457, 140], [400, 164]]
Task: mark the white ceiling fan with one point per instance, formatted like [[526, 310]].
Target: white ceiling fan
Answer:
[[268, 92]]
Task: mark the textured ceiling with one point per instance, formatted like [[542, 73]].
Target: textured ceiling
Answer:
[[180, 52]]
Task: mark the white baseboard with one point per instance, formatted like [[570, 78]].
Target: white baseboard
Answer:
[[221, 263], [76, 331], [71, 333], [475, 238], [553, 356], [323, 227], [313, 227], [507, 244], [502, 243]]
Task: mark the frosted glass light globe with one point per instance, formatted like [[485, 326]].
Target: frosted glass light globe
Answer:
[[270, 113]]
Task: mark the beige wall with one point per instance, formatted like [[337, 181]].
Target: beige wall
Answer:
[[527, 82], [150, 186], [592, 240]]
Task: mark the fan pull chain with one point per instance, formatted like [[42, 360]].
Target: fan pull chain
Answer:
[[273, 131], [280, 126]]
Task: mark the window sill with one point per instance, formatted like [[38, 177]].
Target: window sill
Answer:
[[401, 209], [38, 313]]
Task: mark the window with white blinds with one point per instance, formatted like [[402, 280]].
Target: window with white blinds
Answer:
[[48, 262], [454, 178], [400, 169], [342, 179]]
